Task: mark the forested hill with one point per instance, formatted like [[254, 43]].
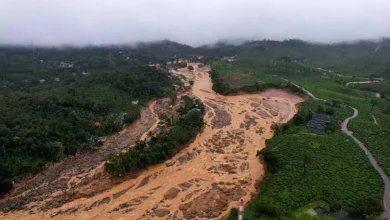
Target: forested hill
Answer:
[[31, 68], [48, 125], [362, 57], [50, 98], [28, 68]]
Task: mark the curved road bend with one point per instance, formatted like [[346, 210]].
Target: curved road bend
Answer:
[[386, 196], [344, 128]]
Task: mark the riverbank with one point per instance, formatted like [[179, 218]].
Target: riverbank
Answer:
[[206, 178]]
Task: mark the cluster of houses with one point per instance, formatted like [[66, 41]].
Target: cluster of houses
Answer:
[[66, 65], [57, 79], [44, 80]]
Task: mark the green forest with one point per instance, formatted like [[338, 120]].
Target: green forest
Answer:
[[46, 126], [163, 145]]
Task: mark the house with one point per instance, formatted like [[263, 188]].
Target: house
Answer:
[[66, 65], [318, 123]]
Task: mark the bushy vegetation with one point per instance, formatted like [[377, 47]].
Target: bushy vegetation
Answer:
[[376, 137], [381, 87], [40, 127], [163, 145], [313, 167], [317, 155]]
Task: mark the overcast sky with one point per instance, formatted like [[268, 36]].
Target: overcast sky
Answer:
[[194, 22]]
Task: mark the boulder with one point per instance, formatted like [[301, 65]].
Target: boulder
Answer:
[[161, 212], [171, 193]]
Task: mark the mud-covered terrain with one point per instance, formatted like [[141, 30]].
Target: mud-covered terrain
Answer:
[[204, 180]]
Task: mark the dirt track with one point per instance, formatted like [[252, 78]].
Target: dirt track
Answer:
[[206, 178]]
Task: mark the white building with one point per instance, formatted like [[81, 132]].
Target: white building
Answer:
[[66, 65]]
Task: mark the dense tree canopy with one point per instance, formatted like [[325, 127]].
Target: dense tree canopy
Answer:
[[165, 144], [44, 126]]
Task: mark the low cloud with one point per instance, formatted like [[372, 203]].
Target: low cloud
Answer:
[[80, 22]]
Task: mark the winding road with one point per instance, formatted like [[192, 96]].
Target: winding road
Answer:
[[374, 163], [386, 196]]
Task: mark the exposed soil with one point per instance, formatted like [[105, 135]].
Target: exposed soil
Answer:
[[204, 180]]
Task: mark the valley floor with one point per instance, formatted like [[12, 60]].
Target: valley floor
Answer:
[[204, 180]]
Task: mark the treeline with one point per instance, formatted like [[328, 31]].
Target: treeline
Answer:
[[279, 66], [46, 126], [165, 144], [30, 68]]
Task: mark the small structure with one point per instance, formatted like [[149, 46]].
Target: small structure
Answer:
[[318, 123], [321, 211], [66, 65], [134, 102], [102, 139], [42, 80], [92, 138], [241, 210], [85, 73], [56, 79]]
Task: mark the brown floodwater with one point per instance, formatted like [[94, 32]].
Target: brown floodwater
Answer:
[[221, 158]]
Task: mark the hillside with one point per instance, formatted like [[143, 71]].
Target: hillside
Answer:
[[171, 126], [58, 121]]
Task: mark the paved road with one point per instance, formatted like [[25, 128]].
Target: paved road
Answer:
[[344, 128], [386, 196], [362, 82], [305, 90]]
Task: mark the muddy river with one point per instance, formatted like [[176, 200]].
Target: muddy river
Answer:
[[206, 178]]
